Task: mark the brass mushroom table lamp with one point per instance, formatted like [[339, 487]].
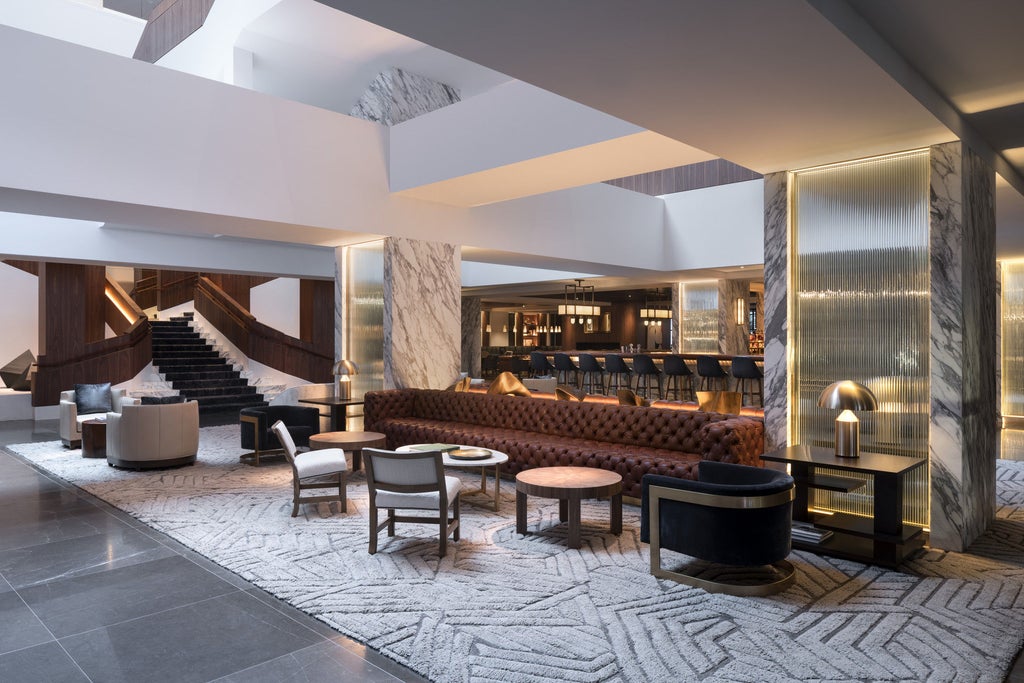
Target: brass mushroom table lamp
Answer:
[[343, 370], [847, 396]]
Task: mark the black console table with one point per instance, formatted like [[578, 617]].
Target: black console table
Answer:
[[883, 540]]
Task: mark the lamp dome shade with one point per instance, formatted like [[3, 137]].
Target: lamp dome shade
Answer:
[[847, 395], [345, 367]]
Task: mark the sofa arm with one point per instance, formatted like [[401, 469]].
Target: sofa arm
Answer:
[[69, 429], [383, 405], [738, 440]]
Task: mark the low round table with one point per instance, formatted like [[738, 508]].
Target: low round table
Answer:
[[496, 460], [349, 441], [569, 485]]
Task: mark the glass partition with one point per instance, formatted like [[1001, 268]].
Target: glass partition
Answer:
[[363, 334], [698, 331]]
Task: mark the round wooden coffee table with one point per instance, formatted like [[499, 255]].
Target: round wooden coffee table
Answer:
[[349, 441], [569, 485]]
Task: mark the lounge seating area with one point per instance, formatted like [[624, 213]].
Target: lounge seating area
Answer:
[[537, 432]]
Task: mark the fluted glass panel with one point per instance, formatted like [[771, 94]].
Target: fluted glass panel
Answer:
[[699, 329], [1013, 339], [364, 314], [861, 310]]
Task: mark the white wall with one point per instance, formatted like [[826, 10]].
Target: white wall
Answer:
[[76, 22], [478, 134], [19, 313], [185, 154], [715, 226], [276, 303]]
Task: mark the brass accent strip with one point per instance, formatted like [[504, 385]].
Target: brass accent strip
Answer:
[[657, 493]]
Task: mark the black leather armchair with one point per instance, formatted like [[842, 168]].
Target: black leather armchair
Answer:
[[731, 515], [257, 434]]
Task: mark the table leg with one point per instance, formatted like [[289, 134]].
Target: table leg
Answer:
[[563, 509], [497, 486], [616, 503], [520, 513], [483, 480], [574, 523]]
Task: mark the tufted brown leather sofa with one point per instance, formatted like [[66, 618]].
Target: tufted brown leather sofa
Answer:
[[538, 432]]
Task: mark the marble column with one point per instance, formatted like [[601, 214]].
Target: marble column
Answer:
[[963, 430], [733, 338], [776, 323], [677, 308], [471, 335], [422, 314]]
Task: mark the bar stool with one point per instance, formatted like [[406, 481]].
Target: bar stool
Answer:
[[710, 371], [563, 366], [539, 365], [616, 368], [746, 372], [645, 369], [591, 370], [679, 378]]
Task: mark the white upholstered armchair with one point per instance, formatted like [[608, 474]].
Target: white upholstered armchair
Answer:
[[148, 436], [71, 420]]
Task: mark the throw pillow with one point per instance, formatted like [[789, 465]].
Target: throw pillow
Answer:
[[93, 398], [161, 400]]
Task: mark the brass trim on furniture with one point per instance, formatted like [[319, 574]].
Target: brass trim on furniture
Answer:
[[657, 493], [255, 455]]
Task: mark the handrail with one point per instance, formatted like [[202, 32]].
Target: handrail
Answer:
[[258, 341], [140, 329]]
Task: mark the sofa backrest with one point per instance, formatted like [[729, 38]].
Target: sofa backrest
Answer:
[[632, 425]]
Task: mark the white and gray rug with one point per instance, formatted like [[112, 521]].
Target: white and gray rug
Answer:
[[504, 607]]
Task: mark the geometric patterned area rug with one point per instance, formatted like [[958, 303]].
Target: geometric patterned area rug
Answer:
[[505, 607]]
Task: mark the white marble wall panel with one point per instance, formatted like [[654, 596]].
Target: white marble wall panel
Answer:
[[422, 314], [471, 335], [733, 338], [963, 434], [395, 96], [776, 315]]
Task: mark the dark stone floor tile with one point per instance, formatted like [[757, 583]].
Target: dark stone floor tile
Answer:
[[295, 613], [199, 642], [380, 661], [325, 661], [76, 521], [19, 628], [46, 663], [75, 605], [34, 504], [116, 546]]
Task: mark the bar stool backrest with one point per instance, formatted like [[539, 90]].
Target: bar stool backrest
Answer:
[[675, 365], [616, 364], [589, 364], [709, 367], [644, 365], [744, 367]]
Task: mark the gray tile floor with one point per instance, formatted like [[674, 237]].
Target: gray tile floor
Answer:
[[88, 593]]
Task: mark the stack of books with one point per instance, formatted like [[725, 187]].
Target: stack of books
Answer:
[[808, 533]]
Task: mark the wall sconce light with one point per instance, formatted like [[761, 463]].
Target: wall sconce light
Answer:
[[344, 370], [741, 311], [504, 328]]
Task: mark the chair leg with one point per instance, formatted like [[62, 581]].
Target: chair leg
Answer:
[[295, 496], [343, 492], [391, 521], [458, 518], [373, 528]]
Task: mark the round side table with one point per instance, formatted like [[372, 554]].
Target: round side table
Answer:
[[349, 441], [569, 485]]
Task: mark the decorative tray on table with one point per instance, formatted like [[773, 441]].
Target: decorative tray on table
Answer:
[[470, 454]]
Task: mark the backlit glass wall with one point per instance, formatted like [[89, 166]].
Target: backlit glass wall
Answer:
[[860, 275], [698, 331], [364, 314], [1013, 339]]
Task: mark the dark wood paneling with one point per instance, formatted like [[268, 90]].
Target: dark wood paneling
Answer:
[[71, 308], [171, 22], [27, 266], [316, 314], [174, 287], [690, 177], [112, 360], [238, 287], [259, 342]]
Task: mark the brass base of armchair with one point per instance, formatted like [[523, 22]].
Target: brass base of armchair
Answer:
[[254, 457], [779, 580]]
